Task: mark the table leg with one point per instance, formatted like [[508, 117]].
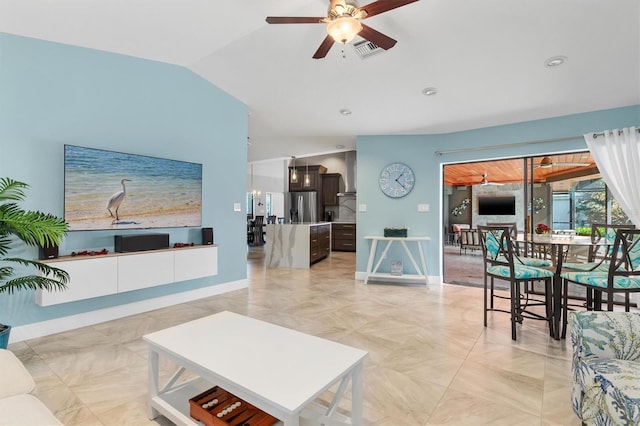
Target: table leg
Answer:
[[557, 305], [557, 293], [424, 262], [356, 394], [372, 254], [154, 384], [383, 255], [293, 420], [413, 261]]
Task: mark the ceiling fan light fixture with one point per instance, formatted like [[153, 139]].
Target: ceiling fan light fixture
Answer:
[[555, 61], [344, 29], [546, 163], [429, 91]]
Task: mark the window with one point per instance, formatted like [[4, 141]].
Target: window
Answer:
[[249, 203], [585, 203], [269, 204]]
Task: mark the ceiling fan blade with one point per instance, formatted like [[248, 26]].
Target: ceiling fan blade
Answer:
[[572, 164], [324, 48], [381, 6], [549, 165], [293, 19], [377, 37], [485, 181]]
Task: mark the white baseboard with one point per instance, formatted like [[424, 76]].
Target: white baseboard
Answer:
[[433, 279], [58, 325]]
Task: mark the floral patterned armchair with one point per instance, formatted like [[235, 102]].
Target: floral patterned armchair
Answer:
[[606, 367]]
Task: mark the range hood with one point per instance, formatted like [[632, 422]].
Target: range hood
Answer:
[[349, 175]]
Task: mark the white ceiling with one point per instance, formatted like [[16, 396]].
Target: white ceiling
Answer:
[[485, 57]]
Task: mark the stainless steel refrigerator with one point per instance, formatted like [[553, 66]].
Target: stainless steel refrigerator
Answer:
[[301, 207]]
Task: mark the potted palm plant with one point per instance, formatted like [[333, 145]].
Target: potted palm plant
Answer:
[[33, 228]]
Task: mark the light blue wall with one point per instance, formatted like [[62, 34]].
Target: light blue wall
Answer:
[[53, 94], [374, 152]]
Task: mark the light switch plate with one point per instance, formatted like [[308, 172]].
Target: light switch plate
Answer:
[[362, 208], [423, 207], [237, 207]]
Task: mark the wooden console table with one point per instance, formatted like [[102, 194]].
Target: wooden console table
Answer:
[[421, 274]]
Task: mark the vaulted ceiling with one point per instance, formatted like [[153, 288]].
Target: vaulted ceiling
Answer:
[[486, 59]]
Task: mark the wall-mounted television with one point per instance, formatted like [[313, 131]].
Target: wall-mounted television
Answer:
[[496, 206], [114, 190]]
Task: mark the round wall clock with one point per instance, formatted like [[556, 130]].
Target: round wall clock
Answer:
[[396, 180]]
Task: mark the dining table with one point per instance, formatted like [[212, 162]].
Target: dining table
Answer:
[[556, 245]]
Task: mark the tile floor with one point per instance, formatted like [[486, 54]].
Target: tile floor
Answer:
[[430, 362]]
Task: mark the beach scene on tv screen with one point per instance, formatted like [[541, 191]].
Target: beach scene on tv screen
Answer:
[[114, 190]]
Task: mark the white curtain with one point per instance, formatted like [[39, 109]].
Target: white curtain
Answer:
[[617, 155]]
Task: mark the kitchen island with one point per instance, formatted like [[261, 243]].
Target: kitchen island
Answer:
[[297, 245]]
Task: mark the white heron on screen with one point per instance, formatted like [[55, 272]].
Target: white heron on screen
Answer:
[[116, 199]]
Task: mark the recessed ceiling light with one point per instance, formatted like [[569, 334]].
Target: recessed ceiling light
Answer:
[[345, 112], [429, 91], [555, 61]]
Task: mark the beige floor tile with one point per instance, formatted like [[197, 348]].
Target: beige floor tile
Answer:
[[517, 390], [510, 358], [431, 360], [79, 417], [460, 409]]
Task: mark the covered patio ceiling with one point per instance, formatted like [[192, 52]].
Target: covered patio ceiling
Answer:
[[561, 169]]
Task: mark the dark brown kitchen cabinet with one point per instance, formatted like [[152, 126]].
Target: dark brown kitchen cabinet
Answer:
[[319, 242], [330, 188], [301, 183], [344, 236]]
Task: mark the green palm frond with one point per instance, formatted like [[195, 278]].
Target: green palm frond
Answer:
[[31, 282], [5, 240], [33, 228], [12, 190], [43, 268], [51, 279], [5, 273]]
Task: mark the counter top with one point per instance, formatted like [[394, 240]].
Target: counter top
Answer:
[[301, 224]]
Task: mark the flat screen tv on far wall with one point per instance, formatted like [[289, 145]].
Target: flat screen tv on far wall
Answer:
[[114, 190], [497, 206]]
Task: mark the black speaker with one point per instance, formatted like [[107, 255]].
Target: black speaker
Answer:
[[140, 242], [49, 252], [207, 236]]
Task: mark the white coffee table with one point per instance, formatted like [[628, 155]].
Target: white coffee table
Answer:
[[278, 370]]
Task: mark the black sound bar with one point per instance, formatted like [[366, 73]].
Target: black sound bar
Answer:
[[140, 242]]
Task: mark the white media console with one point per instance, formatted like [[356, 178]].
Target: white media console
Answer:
[[102, 275]]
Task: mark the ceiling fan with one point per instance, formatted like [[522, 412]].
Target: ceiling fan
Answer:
[[485, 181], [546, 163], [343, 23]]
